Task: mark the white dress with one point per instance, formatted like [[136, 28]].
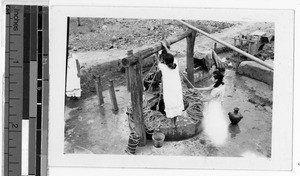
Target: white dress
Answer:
[[73, 88], [172, 90], [215, 123]]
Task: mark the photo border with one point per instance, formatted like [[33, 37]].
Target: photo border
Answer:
[[282, 105]]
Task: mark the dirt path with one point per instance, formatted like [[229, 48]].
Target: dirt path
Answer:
[[202, 44]]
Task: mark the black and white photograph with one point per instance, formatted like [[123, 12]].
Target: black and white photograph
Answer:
[[169, 87]]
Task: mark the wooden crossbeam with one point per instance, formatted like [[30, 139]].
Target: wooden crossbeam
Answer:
[[132, 59]]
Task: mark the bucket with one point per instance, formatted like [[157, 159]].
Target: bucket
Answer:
[[158, 139]]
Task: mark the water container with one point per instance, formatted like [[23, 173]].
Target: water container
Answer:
[[235, 116]]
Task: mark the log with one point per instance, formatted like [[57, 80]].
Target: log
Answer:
[[132, 59], [228, 45], [129, 53], [137, 101], [113, 95], [190, 56]]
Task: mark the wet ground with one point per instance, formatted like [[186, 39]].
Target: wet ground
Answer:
[[97, 129]]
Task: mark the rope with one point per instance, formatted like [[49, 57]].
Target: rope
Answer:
[[186, 78], [153, 120], [149, 71]]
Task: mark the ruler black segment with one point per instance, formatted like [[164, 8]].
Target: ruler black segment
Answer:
[[26, 62], [26, 42], [38, 166], [39, 117], [39, 91], [38, 141], [40, 66], [40, 17], [33, 34], [40, 41], [26, 90]]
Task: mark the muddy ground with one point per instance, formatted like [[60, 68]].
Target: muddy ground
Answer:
[[94, 129]]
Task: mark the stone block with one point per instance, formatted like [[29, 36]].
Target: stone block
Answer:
[[256, 71]]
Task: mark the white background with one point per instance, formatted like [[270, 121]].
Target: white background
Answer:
[[211, 4]]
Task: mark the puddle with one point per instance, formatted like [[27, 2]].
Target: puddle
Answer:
[[233, 130]]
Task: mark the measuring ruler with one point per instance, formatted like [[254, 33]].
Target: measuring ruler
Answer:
[[26, 88]]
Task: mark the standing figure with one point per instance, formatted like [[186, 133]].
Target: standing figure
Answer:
[[215, 121], [73, 88], [172, 88]]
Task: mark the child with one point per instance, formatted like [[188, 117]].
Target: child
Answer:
[[172, 88], [215, 122]]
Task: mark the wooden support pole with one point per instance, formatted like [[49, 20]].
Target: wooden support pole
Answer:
[[113, 95], [215, 46], [99, 89], [241, 40], [190, 56], [137, 101], [129, 53]]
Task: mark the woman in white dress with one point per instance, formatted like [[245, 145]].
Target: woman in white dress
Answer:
[[172, 88], [73, 88], [215, 121]]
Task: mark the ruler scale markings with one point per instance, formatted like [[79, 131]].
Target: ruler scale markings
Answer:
[[33, 92], [14, 42], [39, 91]]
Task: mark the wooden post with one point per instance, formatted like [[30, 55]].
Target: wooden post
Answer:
[[215, 46], [78, 21], [99, 89], [238, 62], [113, 95], [234, 44], [250, 47], [163, 29], [190, 56], [137, 101], [129, 52], [241, 40]]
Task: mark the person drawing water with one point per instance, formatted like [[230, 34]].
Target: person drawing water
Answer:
[[215, 122], [171, 83], [73, 88]]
